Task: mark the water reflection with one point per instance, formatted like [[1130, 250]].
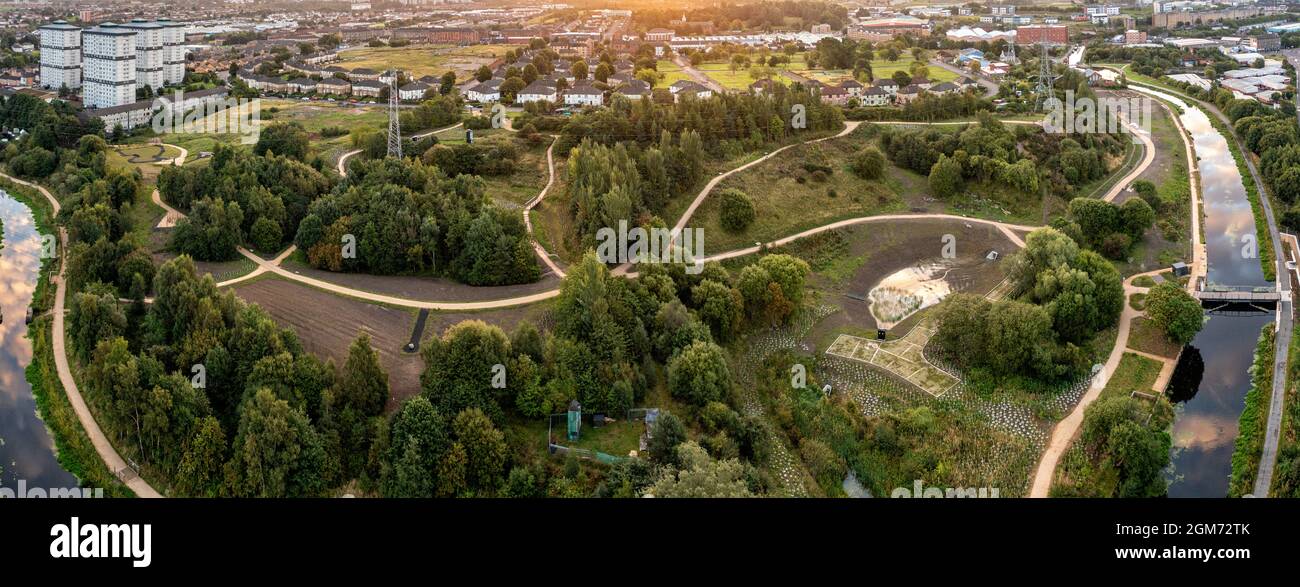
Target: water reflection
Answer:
[[26, 449], [1212, 396]]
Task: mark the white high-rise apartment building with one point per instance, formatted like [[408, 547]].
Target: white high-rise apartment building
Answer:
[[173, 51], [149, 53], [60, 55], [109, 64]]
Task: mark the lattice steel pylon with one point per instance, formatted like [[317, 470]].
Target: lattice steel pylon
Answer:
[[1044, 90], [394, 125]]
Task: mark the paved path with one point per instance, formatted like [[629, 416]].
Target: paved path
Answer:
[[1065, 431], [1007, 229], [528, 209], [1149, 156], [849, 127], [112, 460], [698, 75], [343, 159]]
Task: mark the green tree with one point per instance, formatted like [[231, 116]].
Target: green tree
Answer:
[[701, 476], [276, 452], [266, 235], [288, 139], [1175, 311], [666, 435], [200, 471], [946, 177], [485, 449], [699, 374]]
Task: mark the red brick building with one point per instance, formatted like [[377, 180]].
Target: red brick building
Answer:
[[1042, 33]]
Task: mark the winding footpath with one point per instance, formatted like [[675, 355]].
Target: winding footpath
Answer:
[[1065, 431], [111, 458]]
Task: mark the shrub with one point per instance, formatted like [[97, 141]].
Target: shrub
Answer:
[[266, 235], [737, 210], [869, 163]]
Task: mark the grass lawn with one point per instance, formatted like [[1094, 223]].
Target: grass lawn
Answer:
[[731, 80], [1146, 337], [671, 73], [1135, 373], [788, 198], [422, 60], [880, 68]]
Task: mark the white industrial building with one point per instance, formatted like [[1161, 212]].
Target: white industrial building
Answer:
[[149, 54], [108, 62], [60, 55]]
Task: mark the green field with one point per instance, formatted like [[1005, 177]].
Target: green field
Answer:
[[670, 73], [880, 68], [422, 60], [731, 80]]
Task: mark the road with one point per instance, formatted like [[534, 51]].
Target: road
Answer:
[[990, 86], [698, 75], [103, 446]]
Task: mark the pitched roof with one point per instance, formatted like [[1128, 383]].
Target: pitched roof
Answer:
[[538, 87]]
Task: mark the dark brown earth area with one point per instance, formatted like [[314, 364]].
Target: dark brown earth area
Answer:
[[327, 324]]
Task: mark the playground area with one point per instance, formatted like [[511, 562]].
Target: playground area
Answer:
[[903, 357]]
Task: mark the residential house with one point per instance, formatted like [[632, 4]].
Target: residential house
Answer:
[[908, 93], [302, 85], [362, 73], [413, 91], [538, 91], [874, 96], [488, 91], [333, 86], [944, 88], [367, 88], [689, 88], [584, 94]]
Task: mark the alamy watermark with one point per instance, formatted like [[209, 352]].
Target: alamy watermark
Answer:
[[22, 491], [653, 245], [919, 490], [241, 116], [1089, 115]]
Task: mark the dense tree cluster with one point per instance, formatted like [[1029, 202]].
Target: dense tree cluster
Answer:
[[1128, 447], [238, 195], [1108, 228], [727, 124], [404, 217], [1010, 156], [53, 135], [1062, 297]]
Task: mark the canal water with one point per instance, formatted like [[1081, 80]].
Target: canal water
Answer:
[[26, 448], [1211, 401]]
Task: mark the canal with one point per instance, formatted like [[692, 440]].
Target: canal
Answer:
[[26, 448], [1213, 389]]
